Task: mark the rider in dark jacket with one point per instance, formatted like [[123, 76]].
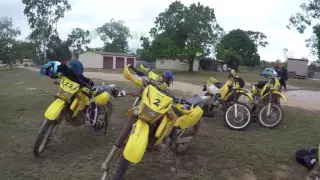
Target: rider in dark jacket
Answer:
[[281, 73]]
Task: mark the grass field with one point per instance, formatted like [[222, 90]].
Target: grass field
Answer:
[[200, 77], [216, 153]]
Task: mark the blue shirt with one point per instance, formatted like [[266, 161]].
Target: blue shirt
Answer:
[[76, 66]]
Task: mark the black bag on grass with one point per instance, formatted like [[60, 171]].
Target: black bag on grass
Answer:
[[307, 157]]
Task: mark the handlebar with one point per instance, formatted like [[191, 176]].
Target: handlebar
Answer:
[[175, 99]]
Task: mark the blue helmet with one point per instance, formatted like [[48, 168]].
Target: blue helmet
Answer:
[[50, 69]]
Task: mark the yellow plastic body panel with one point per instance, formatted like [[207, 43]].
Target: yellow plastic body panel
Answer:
[[153, 100], [102, 98], [74, 104], [240, 91], [190, 119], [161, 127], [276, 93], [166, 131], [137, 142], [130, 77], [276, 86], [211, 80], [69, 86], [54, 109], [153, 76], [143, 69], [224, 90]]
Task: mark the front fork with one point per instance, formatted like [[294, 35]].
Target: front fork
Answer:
[[235, 104], [116, 148], [269, 104]]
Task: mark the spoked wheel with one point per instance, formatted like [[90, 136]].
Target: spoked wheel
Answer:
[[242, 118], [275, 117], [45, 135], [105, 113]]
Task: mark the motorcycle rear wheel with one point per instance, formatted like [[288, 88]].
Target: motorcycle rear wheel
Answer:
[[263, 119], [45, 136]]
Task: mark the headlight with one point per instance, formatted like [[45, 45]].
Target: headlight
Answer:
[[64, 95], [149, 114]]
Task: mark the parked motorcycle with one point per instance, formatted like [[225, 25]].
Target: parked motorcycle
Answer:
[[163, 84], [71, 101], [156, 116], [227, 97], [266, 105]]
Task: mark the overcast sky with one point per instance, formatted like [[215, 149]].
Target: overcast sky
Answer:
[[267, 16]]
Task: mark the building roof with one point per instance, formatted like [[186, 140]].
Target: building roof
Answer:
[[294, 59], [111, 53]]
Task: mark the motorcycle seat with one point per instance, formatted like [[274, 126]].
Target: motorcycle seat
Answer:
[[195, 100]]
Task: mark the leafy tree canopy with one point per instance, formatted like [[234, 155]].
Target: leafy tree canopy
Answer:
[[8, 33], [185, 32], [114, 34], [239, 42], [78, 39], [258, 38]]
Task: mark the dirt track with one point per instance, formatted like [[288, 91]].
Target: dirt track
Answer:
[[304, 99]]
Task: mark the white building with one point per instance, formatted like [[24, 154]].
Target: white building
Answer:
[[95, 59], [176, 65]]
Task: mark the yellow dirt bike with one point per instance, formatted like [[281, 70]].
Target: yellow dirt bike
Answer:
[[154, 118], [71, 100], [266, 105], [163, 85], [237, 115]]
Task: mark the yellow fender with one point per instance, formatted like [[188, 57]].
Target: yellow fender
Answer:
[[54, 109], [137, 142], [277, 94], [241, 91], [246, 94]]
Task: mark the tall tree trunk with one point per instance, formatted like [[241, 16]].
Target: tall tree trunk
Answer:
[[191, 65], [10, 63]]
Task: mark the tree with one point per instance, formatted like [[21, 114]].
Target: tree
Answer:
[[258, 38], [78, 38], [239, 42], [189, 32], [162, 47], [231, 58], [8, 33], [43, 17], [313, 43], [145, 53], [114, 34], [22, 50], [58, 49], [310, 11]]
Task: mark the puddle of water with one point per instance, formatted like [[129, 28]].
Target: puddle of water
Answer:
[[17, 83]]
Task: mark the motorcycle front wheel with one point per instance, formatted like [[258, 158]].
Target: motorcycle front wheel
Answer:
[[243, 119], [45, 136], [275, 117]]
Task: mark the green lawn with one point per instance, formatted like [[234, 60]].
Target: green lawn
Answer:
[[216, 153], [199, 77]]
